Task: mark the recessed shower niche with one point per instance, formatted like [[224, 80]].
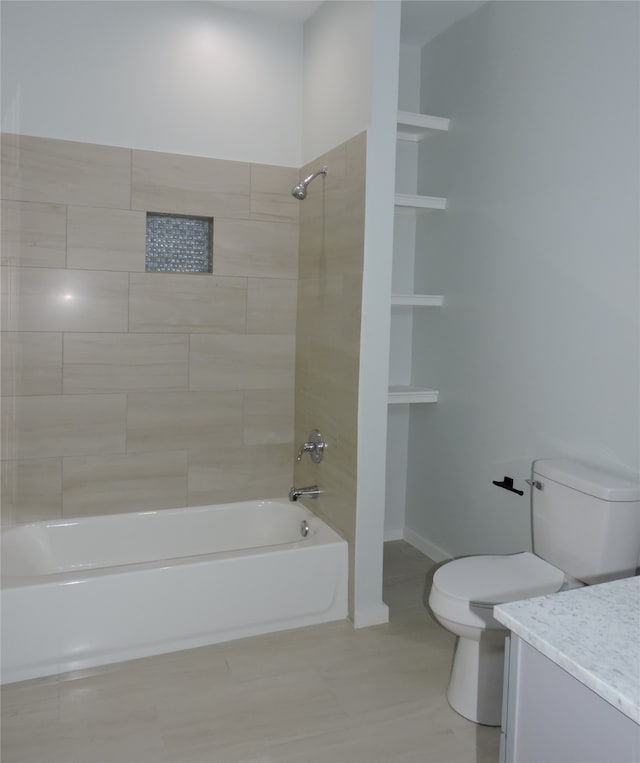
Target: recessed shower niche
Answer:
[[178, 244]]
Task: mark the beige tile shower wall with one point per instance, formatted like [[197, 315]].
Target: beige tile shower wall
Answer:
[[328, 332], [124, 390]]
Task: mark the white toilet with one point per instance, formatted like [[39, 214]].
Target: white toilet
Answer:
[[586, 529]]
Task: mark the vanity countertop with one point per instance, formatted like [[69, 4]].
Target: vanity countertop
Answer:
[[591, 632]]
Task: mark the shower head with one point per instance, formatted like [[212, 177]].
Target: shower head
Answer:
[[300, 191]]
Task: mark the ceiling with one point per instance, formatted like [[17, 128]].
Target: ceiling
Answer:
[[293, 10], [422, 20]]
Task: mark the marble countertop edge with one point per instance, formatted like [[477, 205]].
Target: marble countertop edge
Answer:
[[555, 626]]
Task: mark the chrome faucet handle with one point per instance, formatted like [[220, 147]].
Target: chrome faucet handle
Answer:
[[314, 446], [308, 447]]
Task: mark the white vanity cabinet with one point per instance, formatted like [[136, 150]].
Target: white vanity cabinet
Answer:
[[548, 716], [572, 676]]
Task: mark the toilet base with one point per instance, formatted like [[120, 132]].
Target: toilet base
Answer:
[[475, 687]]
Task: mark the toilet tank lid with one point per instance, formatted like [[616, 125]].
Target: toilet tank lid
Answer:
[[592, 480]]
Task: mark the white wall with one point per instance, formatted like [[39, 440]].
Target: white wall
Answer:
[[536, 351], [338, 57], [409, 77], [376, 303], [351, 52], [183, 77]]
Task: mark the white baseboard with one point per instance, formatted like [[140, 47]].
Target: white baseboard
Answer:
[[426, 546], [363, 618], [395, 534]]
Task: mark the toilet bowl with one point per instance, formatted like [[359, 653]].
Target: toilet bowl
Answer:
[[586, 529], [463, 594]]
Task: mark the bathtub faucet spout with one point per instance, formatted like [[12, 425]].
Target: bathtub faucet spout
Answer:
[[304, 492]]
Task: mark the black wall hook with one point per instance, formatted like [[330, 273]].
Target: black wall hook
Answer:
[[507, 484]]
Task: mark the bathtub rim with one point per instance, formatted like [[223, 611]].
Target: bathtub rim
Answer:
[[323, 534]]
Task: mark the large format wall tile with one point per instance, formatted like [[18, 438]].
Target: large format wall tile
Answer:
[[345, 208], [338, 300], [268, 416], [63, 425], [271, 197], [241, 361], [312, 254], [271, 305], [332, 218], [33, 234], [105, 239], [331, 394], [31, 363], [190, 185], [65, 172], [336, 503], [131, 482], [31, 490], [328, 333], [51, 299], [187, 303], [183, 420], [123, 362], [124, 375], [223, 474], [253, 248]]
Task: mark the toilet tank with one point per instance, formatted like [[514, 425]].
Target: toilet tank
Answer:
[[586, 521]]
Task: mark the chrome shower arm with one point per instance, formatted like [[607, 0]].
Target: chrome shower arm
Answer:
[[321, 171]]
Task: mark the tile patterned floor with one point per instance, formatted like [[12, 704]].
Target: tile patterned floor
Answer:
[[324, 694]]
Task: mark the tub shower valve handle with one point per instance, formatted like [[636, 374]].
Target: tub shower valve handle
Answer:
[[314, 447], [308, 447]]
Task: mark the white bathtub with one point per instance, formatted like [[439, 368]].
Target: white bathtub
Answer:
[[78, 593]]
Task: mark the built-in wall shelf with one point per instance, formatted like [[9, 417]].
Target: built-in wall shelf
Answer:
[[409, 394], [417, 127], [417, 300], [407, 203]]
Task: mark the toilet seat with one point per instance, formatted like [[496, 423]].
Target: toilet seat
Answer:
[[465, 590]]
